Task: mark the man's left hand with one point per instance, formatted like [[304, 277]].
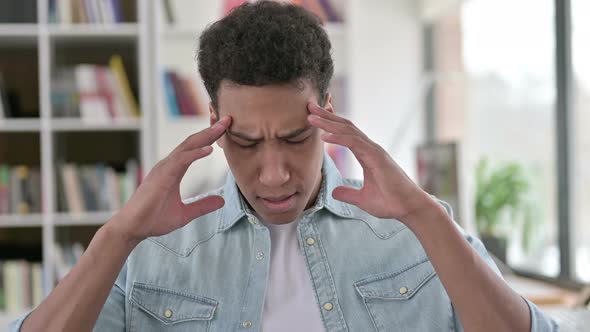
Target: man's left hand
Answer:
[[387, 191]]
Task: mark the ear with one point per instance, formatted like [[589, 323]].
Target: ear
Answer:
[[212, 121], [328, 105]]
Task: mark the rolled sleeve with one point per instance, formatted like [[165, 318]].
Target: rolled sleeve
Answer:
[[540, 322], [112, 316], [16, 325]]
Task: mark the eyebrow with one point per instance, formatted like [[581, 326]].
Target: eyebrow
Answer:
[[289, 135]]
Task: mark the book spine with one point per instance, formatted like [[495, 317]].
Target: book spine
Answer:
[[181, 98], [116, 65], [170, 95]]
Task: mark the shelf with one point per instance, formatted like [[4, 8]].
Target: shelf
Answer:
[[82, 219], [18, 30], [122, 30], [77, 124], [21, 220], [20, 125]]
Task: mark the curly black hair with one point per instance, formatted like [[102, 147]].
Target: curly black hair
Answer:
[[263, 43]]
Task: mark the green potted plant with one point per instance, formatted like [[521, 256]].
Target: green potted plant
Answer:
[[501, 205]]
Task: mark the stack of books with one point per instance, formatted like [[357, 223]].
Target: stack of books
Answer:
[[20, 189], [94, 93], [91, 188], [87, 11], [184, 95], [21, 285]]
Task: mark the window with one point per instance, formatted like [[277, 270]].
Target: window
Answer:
[[581, 141], [494, 94]]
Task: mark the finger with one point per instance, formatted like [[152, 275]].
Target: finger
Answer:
[[205, 137], [347, 195], [317, 110], [177, 164], [353, 142], [359, 146], [330, 125], [202, 207]]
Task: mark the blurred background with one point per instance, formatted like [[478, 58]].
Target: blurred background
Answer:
[[484, 103]]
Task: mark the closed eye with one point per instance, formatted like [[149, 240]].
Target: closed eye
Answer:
[[296, 141], [247, 146]]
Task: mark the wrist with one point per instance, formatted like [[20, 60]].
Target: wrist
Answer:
[[428, 211], [114, 231]]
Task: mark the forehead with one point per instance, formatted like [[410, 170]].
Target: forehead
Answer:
[[276, 105]]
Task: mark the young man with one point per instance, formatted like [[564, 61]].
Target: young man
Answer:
[[287, 244]]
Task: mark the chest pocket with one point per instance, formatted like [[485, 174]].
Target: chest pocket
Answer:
[[409, 300], [158, 309]]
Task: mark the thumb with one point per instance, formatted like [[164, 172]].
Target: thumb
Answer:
[[202, 207], [347, 195]]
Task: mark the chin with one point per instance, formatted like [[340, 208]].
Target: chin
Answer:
[[281, 218]]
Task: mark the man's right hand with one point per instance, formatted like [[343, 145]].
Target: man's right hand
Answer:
[[156, 208]]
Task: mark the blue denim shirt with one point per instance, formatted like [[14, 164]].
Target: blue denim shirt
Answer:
[[368, 274]]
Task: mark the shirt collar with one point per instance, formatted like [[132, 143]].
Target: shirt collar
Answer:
[[235, 207]]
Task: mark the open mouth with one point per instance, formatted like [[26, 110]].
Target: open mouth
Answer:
[[278, 204]]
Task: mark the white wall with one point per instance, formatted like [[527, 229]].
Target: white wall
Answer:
[[385, 58]]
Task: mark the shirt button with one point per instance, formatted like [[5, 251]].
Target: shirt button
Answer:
[[247, 324], [259, 255], [310, 241], [252, 220], [328, 306], [403, 290], [168, 313]]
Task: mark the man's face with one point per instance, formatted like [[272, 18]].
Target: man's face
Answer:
[[273, 152]]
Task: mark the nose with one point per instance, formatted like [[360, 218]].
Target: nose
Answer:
[[274, 171]]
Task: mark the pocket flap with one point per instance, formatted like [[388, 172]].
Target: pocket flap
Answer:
[[171, 306], [401, 285]]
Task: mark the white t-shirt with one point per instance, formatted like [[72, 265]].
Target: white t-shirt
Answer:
[[290, 303]]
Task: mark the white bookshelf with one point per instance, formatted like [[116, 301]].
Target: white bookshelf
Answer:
[[50, 40], [19, 125]]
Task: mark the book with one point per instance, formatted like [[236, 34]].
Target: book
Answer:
[[4, 189], [117, 11], [36, 284], [183, 94], [229, 5], [97, 187], [20, 189], [170, 95], [93, 106], [116, 65], [64, 10], [331, 14], [3, 99], [21, 288], [72, 189], [90, 92], [179, 92], [21, 197], [169, 11]]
